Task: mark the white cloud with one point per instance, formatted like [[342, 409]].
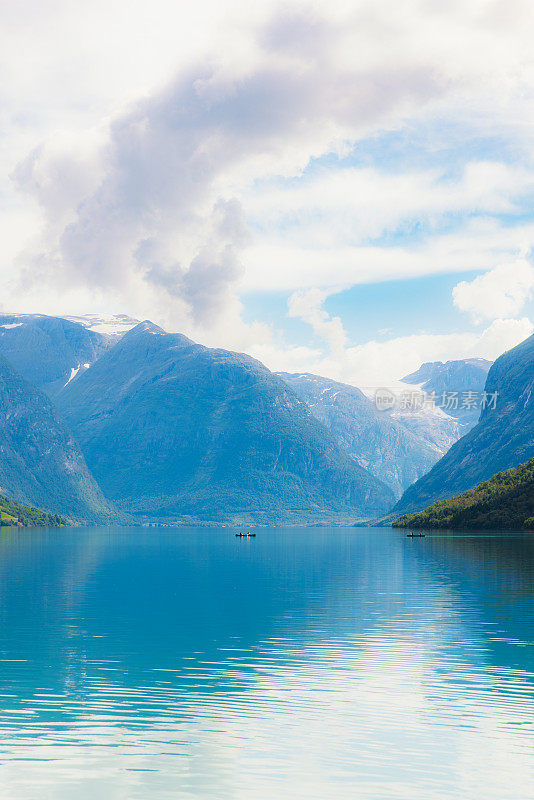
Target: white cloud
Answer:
[[170, 158], [279, 264], [501, 335], [501, 292], [138, 177], [279, 88], [352, 204], [307, 306], [382, 363]]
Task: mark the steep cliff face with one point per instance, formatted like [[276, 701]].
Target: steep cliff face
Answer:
[[40, 463], [173, 429], [503, 438]]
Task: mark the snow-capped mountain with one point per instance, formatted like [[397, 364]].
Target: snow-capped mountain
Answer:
[[399, 433], [115, 325], [50, 351]]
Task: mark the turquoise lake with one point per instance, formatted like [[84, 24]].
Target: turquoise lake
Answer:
[[354, 664]]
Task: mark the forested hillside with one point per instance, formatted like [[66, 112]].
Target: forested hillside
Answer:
[[13, 513], [504, 501]]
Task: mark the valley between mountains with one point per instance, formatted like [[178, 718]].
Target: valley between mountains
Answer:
[[115, 420]]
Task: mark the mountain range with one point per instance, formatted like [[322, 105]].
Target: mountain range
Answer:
[[401, 444], [105, 418], [502, 439], [376, 440], [176, 430]]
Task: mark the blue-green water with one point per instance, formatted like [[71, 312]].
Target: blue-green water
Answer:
[[309, 664]]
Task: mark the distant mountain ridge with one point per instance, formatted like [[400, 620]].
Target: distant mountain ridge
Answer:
[[502, 439], [451, 382], [377, 441], [173, 429], [400, 445], [438, 375]]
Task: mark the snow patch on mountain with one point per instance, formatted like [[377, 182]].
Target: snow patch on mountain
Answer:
[[106, 324], [73, 372]]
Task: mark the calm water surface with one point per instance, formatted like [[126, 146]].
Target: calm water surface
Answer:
[[318, 664]]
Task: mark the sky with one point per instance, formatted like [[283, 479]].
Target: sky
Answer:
[[342, 188]]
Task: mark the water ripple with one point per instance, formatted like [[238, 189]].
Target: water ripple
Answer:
[[357, 667]]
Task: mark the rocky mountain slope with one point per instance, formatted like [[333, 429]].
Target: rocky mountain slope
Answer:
[[453, 383], [40, 463], [502, 439], [373, 438], [504, 501], [440, 402], [175, 430]]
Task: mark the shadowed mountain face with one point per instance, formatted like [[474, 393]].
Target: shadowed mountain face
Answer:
[[40, 463], [378, 442], [503, 438], [173, 429], [49, 351]]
